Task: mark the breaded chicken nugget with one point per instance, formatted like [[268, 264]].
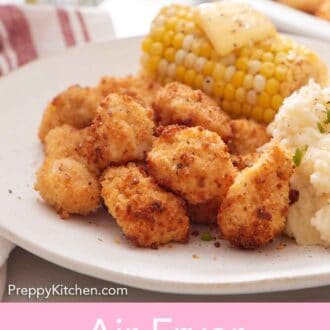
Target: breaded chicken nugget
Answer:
[[50, 119], [64, 141], [142, 88], [255, 208], [248, 135], [179, 104], [205, 213], [68, 186], [67, 141], [121, 132], [148, 215], [193, 162], [75, 106]]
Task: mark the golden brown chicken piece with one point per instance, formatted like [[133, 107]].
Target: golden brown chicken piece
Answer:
[[68, 186], [67, 141], [141, 88], [148, 215], [193, 162], [255, 208], [205, 213], [121, 132], [64, 141], [248, 135], [76, 106], [50, 119], [179, 104]]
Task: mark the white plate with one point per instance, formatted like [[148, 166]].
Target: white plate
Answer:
[[88, 245]]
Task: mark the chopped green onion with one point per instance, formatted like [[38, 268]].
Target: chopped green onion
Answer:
[[298, 155], [206, 237], [321, 128]]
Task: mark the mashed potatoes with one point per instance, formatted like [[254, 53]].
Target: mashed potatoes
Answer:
[[302, 126]]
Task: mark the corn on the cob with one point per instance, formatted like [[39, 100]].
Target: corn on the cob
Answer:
[[250, 82]]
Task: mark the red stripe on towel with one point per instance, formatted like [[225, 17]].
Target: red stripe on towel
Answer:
[[83, 26], [66, 27], [19, 34]]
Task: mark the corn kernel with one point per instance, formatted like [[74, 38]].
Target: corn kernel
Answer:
[[264, 100], [226, 105], [153, 63], [177, 41], [257, 113], [229, 92], [156, 48], [180, 72], [248, 81], [199, 64], [244, 52], [157, 33], [269, 115], [218, 88], [171, 22], [162, 67], [276, 102], [229, 72], [256, 54], [170, 54], [267, 69], [205, 49], [237, 78], [190, 60], [272, 86], [251, 97], [168, 37], [208, 68], [198, 82], [189, 77], [219, 71], [196, 47], [146, 44], [280, 72], [240, 95], [267, 57], [285, 89], [208, 85], [246, 109], [259, 83], [241, 63], [236, 108]]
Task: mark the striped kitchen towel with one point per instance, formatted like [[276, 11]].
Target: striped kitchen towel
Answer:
[[28, 32]]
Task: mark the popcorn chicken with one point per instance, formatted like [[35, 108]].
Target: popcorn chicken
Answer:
[[247, 137], [256, 206], [193, 162], [64, 141], [148, 215], [141, 88], [121, 132], [75, 106], [177, 103], [68, 186]]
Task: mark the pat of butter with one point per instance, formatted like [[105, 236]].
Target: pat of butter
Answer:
[[231, 25]]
